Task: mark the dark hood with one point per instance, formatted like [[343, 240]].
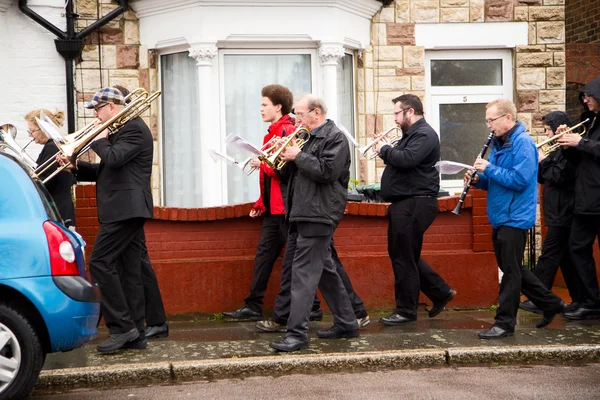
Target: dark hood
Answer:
[[557, 118], [592, 88]]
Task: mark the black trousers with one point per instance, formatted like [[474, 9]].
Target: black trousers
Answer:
[[271, 242], [555, 253], [155, 309], [281, 311], [115, 265], [407, 222], [584, 231], [313, 267], [509, 245]]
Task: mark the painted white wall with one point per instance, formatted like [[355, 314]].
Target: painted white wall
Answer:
[[32, 73]]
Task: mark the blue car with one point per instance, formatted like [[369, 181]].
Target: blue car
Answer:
[[47, 303]]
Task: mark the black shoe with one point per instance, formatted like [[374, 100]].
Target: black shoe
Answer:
[[244, 313], [396, 319], [549, 315], [316, 315], [336, 332], [439, 306], [137, 344], [157, 331], [529, 306], [289, 343], [583, 313], [495, 332], [573, 306], [116, 341]]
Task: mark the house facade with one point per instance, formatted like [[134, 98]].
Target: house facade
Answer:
[[211, 58]]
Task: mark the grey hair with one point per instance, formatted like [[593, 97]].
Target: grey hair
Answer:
[[313, 102]]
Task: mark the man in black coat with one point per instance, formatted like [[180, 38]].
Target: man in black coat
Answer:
[[584, 152], [557, 175], [124, 201], [316, 200]]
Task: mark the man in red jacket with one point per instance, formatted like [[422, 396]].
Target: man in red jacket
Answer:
[[276, 105]]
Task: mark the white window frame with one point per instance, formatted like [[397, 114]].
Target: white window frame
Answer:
[[437, 95], [315, 83]]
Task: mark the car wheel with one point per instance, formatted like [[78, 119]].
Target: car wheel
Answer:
[[21, 355]]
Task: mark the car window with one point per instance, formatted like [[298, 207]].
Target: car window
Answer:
[[48, 201]]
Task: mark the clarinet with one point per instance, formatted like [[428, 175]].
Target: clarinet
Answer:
[[486, 146]]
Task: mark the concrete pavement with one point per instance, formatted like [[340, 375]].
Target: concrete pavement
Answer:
[[208, 350]]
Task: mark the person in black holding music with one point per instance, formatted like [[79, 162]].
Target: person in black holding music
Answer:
[[509, 176], [316, 200], [124, 200], [60, 185], [411, 183], [584, 152], [557, 175]]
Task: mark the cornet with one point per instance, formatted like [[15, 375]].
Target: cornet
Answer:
[[552, 141], [272, 160], [8, 134], [398, 135]]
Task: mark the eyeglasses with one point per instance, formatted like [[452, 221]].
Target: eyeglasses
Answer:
[[100, 106], [305, 114], [489, 121], [32, 131], [402, 111]]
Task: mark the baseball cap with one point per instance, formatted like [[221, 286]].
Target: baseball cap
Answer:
[[106, 95]]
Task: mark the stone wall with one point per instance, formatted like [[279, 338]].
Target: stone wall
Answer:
[[394, 65], [114, 56], [582, 49]]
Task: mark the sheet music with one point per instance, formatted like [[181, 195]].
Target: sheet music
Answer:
[[242, 144], [49, 128], [451, 167]]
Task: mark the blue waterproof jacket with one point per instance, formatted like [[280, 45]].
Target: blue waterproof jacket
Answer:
[[511, 180]]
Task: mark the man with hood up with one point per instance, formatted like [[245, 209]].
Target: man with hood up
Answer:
[[584, 152], [557, 175]]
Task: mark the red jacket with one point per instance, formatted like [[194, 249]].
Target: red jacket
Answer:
[[277, 207]]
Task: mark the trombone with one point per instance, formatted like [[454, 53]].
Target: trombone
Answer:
[[76, 144], [551, 142], [8, 135], [397, 136]]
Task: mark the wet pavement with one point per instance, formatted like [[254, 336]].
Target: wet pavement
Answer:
[[202, 339]]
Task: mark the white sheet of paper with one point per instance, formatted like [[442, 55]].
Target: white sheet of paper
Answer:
[[451, 167], [49, 128], [240, 143]]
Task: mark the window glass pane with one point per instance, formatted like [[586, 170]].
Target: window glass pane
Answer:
[[466, 72], [345, 95], [245, 76], [181, 143], [462, 133]]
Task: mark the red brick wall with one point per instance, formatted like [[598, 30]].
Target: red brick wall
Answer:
[[204, 257], [582, 36]]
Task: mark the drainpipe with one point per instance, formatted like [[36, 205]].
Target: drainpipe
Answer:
[[70, 43]]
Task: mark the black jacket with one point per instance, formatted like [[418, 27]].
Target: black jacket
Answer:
[[123, 175], [586, 157], [59, 186], [318, 178], [410, 164], [557, 175]]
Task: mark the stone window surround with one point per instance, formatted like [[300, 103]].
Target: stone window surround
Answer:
[[330, 40]]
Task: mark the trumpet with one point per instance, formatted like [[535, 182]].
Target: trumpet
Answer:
[[398, 135], [551, 142], [272, 159], [76, 144], [8, 134]]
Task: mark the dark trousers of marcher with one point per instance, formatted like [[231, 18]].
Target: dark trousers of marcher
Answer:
[[272, 239], [584, 231], [155, 309], [281, 311], [407, 222], [313, 267], [555, 253], [115, 265], [509, 246]]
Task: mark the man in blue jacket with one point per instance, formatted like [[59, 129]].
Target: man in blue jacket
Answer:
[[510, 177]]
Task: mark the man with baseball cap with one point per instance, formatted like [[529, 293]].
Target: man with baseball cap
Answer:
[[124, 200]]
